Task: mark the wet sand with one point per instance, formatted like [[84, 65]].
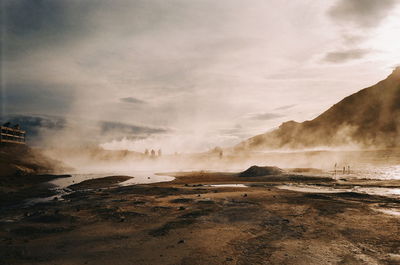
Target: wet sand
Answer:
[[185, 221]]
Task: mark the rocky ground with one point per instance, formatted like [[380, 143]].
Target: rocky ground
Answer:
[[188, 222]]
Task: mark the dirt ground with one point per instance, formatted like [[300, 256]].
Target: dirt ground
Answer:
[[187, 222]]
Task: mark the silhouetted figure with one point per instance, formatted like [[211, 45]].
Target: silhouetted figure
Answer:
[[344, 170], [159, 152], [348, 169], [146, 152], [217, 151], [335, 168], [153, 153]]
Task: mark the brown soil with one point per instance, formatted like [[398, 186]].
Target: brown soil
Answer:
[[187, 222]]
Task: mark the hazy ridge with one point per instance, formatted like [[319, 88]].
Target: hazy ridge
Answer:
[[368, 118]]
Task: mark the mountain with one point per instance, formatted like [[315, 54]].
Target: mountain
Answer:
[[368, 118]]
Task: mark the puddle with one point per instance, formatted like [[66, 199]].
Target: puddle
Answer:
[[311, 189], [390, 211], [228, 185], [388, 192], [13, 219], [60, 185], [145, 178], [57, 197], [138, 177]]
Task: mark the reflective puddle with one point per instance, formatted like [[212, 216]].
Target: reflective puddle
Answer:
[[380, 191], [390, 211], [311, 189], [228, 185], [60, 185]]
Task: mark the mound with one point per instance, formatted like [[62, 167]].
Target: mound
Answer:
[[256, 171]]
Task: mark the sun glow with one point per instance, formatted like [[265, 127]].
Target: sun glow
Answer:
[[385, 41]]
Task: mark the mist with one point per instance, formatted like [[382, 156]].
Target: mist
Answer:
[[186, 77]]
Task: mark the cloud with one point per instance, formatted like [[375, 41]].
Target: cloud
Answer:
[[32, 24], [356, 20], [345, 55], [41, 127], [37, 97], [194, 66], [108, 127], [267, 116], [132, 100], [363, 13], [285, 107], [237, 131]]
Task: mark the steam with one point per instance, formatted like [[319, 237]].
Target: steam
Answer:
[[171, 144], [181, 76]]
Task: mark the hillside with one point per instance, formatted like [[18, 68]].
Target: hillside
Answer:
[[19, 161], [23, 171], [368, 118]]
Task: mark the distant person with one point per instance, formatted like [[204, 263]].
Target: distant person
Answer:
[[146, 152], [348, 169], [159, 152], [344, 170], [335, 168], [221, 153], [153, 153]]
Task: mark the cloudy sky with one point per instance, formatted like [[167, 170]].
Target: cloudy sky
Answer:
[[199, 72]]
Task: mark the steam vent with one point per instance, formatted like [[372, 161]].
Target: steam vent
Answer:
[[12, 134]]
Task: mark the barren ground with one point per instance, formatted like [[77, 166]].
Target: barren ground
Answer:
[[187, 222]]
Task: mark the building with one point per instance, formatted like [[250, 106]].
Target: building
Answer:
[[11, 135]]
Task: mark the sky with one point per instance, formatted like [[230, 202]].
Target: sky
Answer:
[[194, 73]]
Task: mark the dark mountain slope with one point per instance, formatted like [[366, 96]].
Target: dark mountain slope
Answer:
[[370, 117]]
